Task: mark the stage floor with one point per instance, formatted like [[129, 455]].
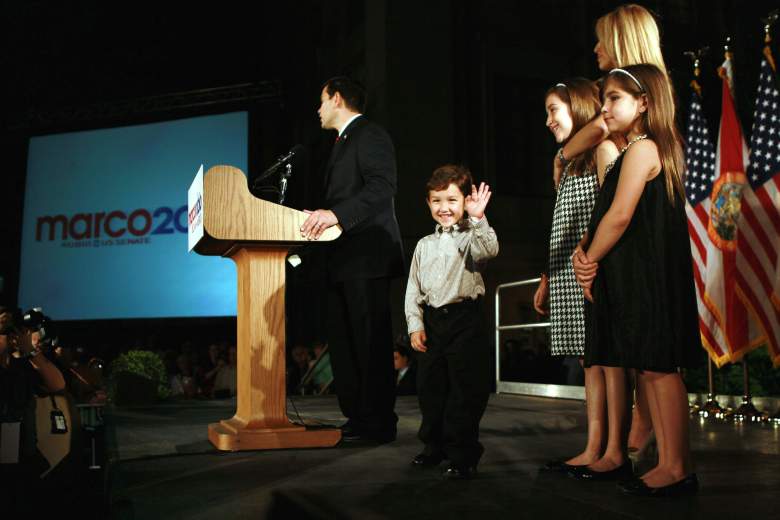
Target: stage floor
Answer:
[[165, 468]]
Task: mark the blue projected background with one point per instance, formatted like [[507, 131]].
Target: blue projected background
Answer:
[[104, 234]]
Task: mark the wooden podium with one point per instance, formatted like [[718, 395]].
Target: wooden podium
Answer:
[[256, 235]]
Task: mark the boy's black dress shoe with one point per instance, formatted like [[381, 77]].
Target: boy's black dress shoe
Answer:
[[423, 460], [624, 472], [454, 472], [688, 486]]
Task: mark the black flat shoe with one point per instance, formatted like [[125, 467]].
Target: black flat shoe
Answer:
[[624, 472], [688, 486], [425, 460], [454, 472], [558, 466]]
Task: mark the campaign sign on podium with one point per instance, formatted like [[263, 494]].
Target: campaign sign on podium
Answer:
[[195, 210]]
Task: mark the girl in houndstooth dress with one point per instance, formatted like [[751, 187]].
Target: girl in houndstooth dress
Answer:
[[570, 106], [573, 205]]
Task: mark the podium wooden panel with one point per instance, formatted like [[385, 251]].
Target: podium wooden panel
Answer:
[[257, 236]]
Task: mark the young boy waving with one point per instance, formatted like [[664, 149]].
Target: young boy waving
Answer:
[[445, 322]]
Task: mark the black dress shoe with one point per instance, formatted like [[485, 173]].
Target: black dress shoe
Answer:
[[423, 460], [558, 466], [454, 472], [688, 486], [623, 472]]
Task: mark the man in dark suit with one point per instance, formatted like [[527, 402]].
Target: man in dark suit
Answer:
[[359, 186]]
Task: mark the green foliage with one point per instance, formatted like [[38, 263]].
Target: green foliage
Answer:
[[142, 363], [728, 380]]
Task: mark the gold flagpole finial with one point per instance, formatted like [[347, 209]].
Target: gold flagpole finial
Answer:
[[769, 21], [695, 57]]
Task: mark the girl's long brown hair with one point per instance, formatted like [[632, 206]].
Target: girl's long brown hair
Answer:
[[658, 120], [581, 95]]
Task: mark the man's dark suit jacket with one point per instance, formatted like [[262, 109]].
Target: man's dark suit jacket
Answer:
[[360, 185]]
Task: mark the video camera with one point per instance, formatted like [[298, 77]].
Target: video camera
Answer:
[[15, 323]]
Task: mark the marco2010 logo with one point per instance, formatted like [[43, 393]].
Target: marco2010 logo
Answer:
[[113, 224]]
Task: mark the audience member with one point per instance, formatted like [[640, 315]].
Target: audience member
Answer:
[[215, 360], [182, 382], [322, 372], [226, 380], [405, 368], [297, 368], [24, 371]]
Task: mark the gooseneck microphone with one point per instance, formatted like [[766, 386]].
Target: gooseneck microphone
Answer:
[[282, 160]]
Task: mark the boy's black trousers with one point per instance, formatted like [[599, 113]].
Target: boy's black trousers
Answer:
[[453, 381]]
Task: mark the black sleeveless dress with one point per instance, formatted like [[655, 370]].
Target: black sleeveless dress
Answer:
[[644, 313]]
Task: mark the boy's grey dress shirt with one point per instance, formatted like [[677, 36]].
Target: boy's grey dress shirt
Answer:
[[445, 267]]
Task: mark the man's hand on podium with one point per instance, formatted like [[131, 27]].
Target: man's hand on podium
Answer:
[[317, 222]]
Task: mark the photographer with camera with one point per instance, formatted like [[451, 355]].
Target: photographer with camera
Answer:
[[24, 372]]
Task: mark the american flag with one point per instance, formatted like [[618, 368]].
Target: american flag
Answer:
[[759, 228], [700, 174]]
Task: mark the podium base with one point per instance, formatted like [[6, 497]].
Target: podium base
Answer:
[[229, 439]]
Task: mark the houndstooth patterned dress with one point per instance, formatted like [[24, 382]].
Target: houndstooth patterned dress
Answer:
[[573, 206]]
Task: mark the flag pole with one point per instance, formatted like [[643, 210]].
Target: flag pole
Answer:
[[746, 411], [769, 21], [711, 408]]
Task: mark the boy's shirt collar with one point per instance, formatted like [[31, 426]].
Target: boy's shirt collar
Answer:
[[462, 225], [451, 229]]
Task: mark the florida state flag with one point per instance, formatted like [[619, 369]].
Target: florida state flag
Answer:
[[720, 295]]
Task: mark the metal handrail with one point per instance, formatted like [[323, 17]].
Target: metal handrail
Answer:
[[499, 327]]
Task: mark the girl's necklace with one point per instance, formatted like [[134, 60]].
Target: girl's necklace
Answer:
[[622, 151], [632, 141]]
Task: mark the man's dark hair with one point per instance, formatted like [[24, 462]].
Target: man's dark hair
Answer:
[[448, 174], [352, 92]]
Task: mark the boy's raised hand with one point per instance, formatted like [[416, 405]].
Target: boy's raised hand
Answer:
[[418, 340], [476, 202]]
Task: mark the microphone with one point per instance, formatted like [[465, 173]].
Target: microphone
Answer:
[[283, 159]]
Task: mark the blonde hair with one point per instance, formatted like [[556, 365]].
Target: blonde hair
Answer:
[[629, 35], [658, 121]]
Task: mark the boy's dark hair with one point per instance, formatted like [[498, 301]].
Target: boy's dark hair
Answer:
[[448, 174], [352, 92]]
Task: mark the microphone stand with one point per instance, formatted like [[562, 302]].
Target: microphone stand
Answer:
[[286, 174], [283, 178]]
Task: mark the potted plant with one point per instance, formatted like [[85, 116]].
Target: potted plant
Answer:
[[138, 377]]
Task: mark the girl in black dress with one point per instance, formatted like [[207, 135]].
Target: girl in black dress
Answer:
[[636, 270], [627, 35]]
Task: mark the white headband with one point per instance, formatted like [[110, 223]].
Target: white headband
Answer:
[[561, 85], [630, 76]]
